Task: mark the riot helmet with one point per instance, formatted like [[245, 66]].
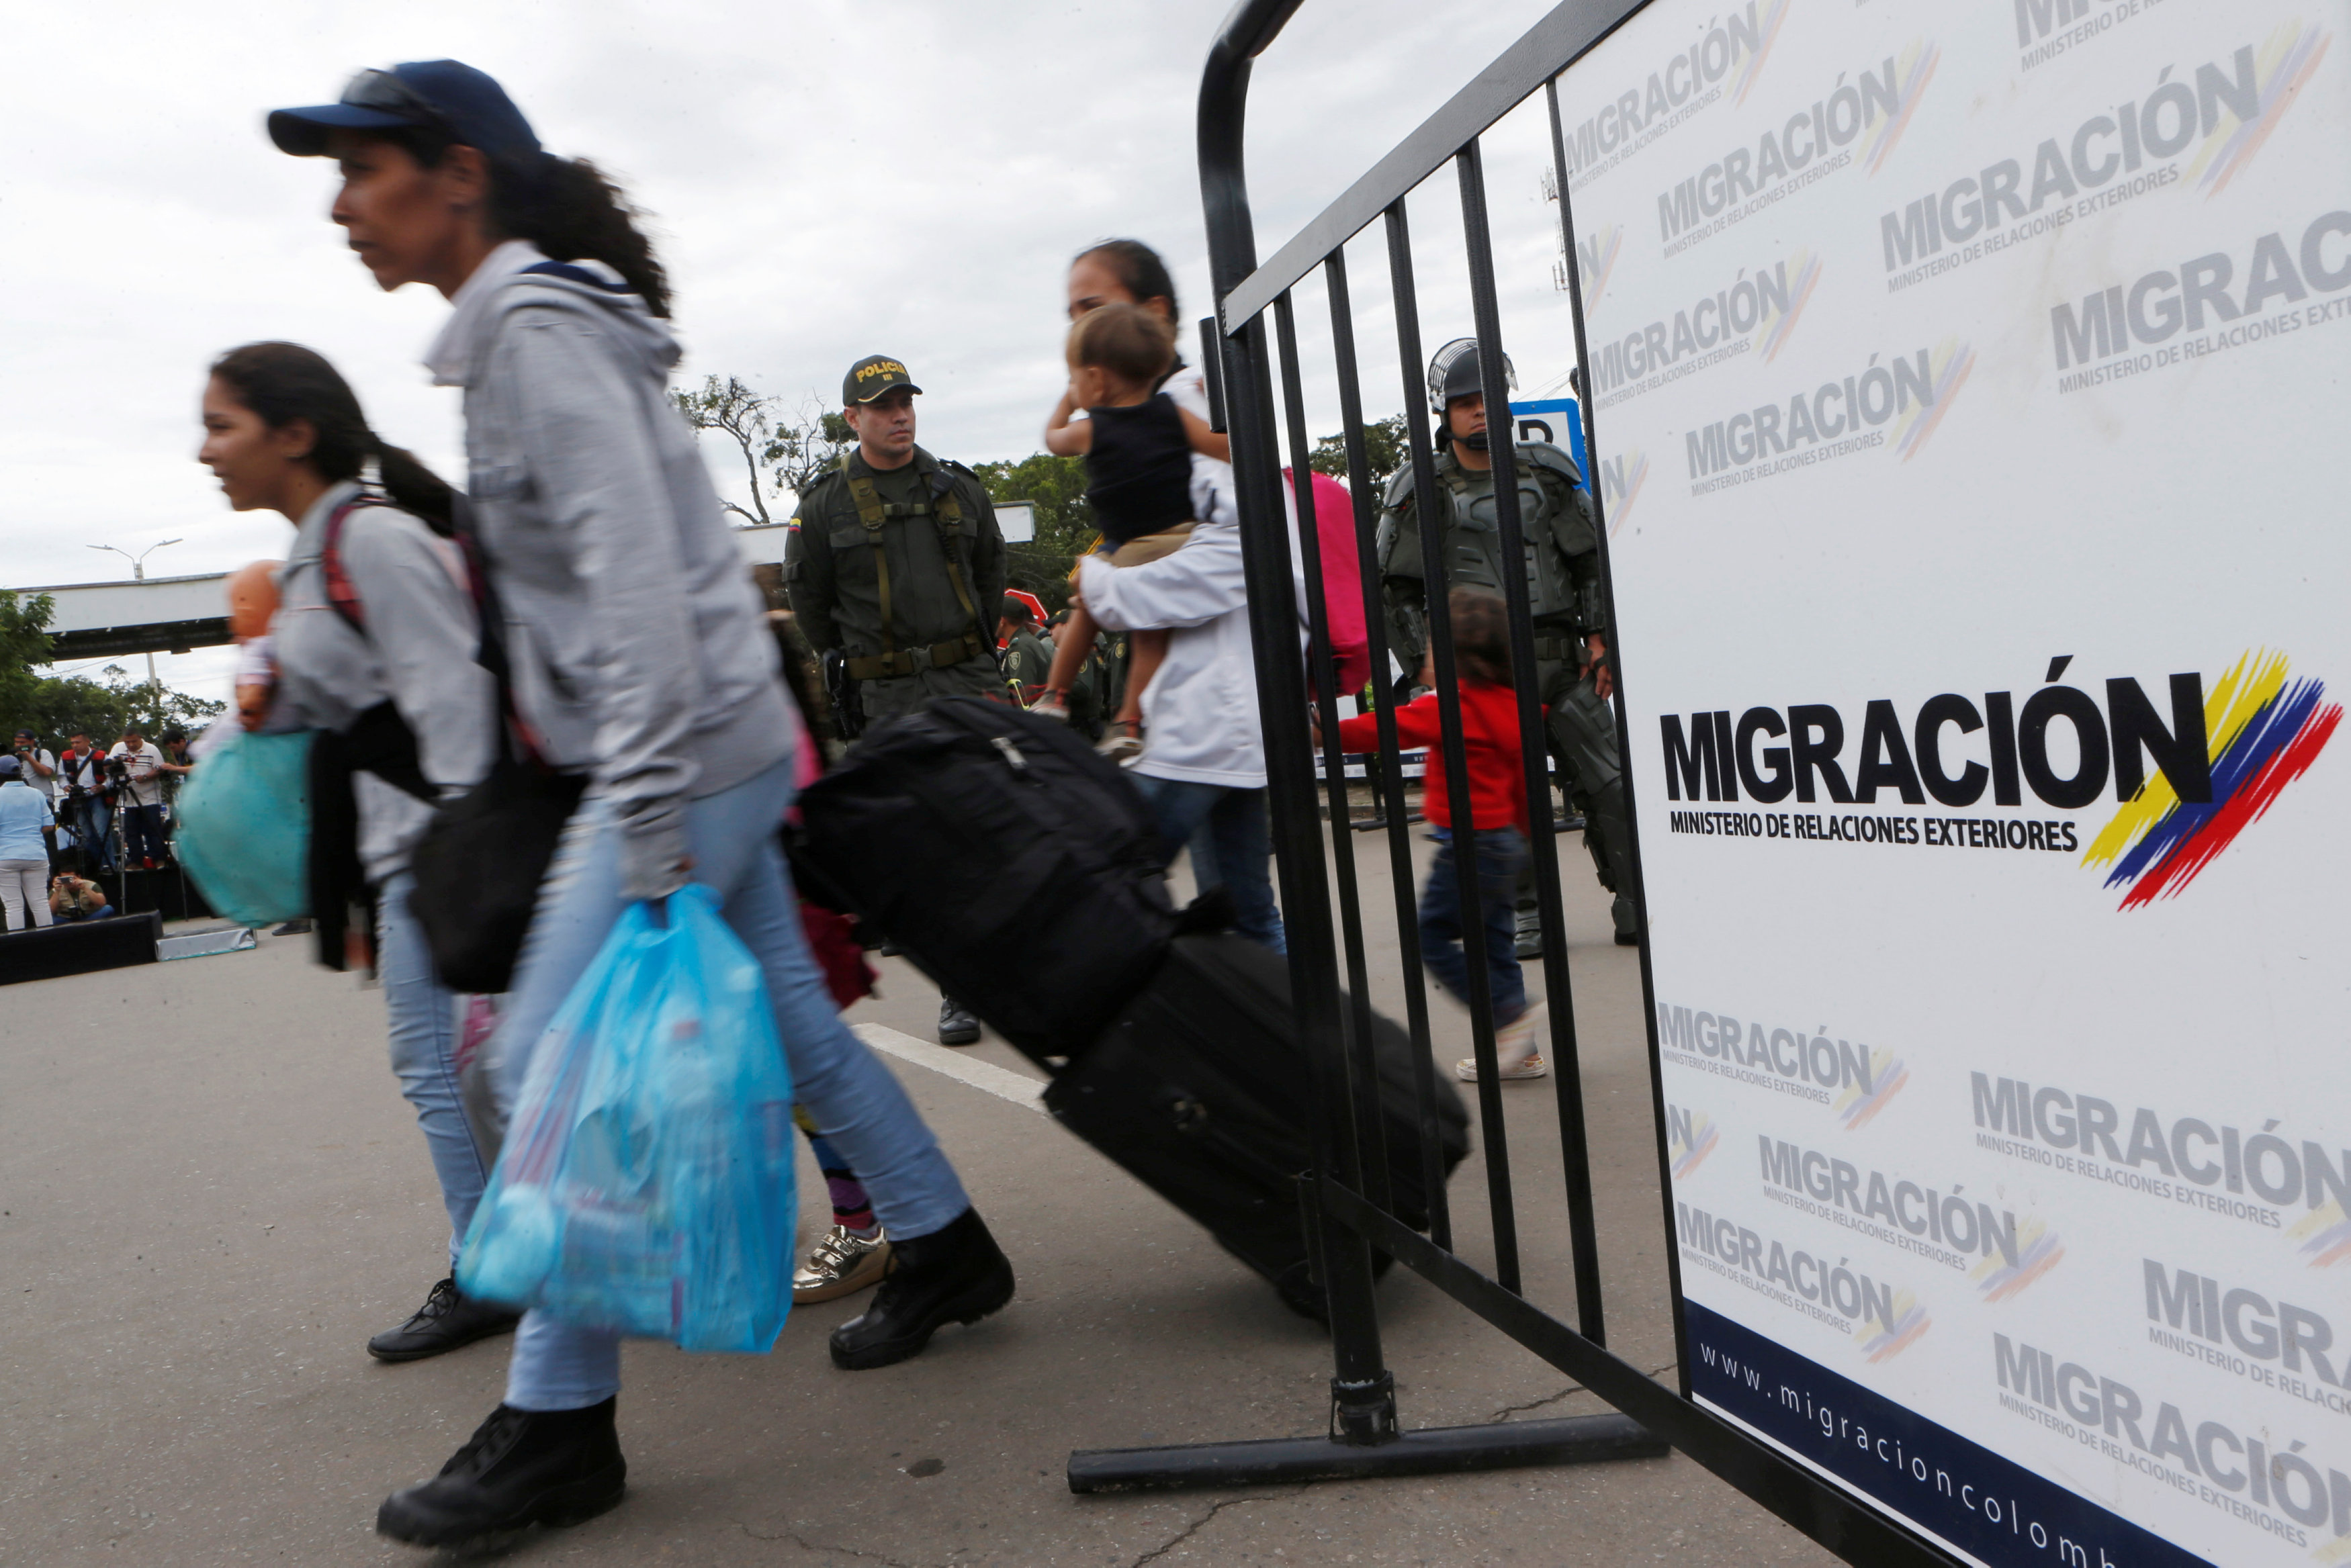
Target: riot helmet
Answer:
[[1455, 372]]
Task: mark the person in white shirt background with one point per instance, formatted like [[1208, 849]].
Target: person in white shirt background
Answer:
[[141, 801]]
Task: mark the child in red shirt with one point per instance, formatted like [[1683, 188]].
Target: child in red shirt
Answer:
[[1498, 814]]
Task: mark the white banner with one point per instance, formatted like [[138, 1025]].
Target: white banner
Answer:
[[1968, 395]]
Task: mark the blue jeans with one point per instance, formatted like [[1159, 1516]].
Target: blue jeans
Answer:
[[1232, 847], [1501, 853], [92, 828], [422, 1017], [142, 833], [858, 1106]]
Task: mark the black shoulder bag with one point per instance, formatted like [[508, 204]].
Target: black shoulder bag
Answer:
[[480, 863]]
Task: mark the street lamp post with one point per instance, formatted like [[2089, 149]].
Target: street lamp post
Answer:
[[138, 574]]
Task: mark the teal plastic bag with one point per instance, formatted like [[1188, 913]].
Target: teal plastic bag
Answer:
[[244, 826], [646, 1184]]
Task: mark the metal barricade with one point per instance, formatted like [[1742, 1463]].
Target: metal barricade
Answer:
[[1253, 342]]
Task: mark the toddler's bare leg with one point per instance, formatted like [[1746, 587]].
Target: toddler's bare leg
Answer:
[[1144, 652], [1069, 653]]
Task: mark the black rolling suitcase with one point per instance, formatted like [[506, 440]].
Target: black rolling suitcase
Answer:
[[1015, 866], [1200, 1089]]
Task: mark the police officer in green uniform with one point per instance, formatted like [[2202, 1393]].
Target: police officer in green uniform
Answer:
[[890, 560], [893, 557], [1562, 576], [1027, 659]]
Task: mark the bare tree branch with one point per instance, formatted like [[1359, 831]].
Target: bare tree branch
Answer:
[[741, 413], [806, 447], [782, 453]]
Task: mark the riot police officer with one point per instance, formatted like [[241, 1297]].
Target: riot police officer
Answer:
[[889, 561], [894, 555], [1562, 576]]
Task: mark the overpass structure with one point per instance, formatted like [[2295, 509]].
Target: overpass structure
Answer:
[[158, 615], [176, 615]]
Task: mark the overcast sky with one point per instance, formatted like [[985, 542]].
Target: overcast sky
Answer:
[[827, 179]]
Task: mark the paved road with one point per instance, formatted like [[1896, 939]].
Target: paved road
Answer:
[[213, 1195]]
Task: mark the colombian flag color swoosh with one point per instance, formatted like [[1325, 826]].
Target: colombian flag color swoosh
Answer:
[[2266, 731]]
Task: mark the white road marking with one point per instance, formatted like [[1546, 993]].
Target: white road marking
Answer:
[[980, 1074]]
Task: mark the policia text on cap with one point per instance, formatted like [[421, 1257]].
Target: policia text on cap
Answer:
[[893, 554]]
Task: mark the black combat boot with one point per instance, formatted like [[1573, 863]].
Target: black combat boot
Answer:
[[520, 1468], [448, 1319], [955, 1275]]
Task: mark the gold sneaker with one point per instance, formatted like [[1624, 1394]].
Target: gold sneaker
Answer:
[[1515, 1055], [840, 1265], [1465, 1069]]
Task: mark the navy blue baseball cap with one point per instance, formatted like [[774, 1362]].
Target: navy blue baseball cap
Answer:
[[447, 96]]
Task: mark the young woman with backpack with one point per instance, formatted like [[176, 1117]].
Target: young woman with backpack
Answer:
[[642, 661], [374, 634]]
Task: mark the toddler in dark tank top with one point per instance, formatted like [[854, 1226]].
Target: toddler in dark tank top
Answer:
[[1138, 446], [1139, 473]]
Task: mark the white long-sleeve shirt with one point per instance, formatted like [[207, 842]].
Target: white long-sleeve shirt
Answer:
[[1200, 711]]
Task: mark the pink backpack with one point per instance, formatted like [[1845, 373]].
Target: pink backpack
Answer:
[[1342, 586]]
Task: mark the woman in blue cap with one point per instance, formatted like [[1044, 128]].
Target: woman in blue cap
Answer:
[[640, 658]]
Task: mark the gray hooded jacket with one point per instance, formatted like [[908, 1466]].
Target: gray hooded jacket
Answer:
[[640, 648], [418, 650]]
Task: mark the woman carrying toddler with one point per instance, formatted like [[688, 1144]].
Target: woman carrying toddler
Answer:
[[1139, 447]]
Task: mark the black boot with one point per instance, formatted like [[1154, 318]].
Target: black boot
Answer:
[[520, 1468], [955, 1275], [956, 1024], [1529, 933], [448, 1319], [1628, 923]]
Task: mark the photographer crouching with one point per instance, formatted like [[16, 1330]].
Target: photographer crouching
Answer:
[[73, 898]]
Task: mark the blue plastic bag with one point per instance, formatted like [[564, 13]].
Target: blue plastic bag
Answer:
[[645, 1184], [244, 826]]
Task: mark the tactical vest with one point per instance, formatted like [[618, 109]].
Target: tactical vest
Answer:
[[945, 511], [1472, 541]]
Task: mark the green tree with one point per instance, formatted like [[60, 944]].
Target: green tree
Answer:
[[804, 448], [65, 705], [1385, 451], [24, 646], [1056, 487], [56, 706]]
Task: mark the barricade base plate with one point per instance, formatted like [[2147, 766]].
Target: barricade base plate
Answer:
[[1431, 1450]]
